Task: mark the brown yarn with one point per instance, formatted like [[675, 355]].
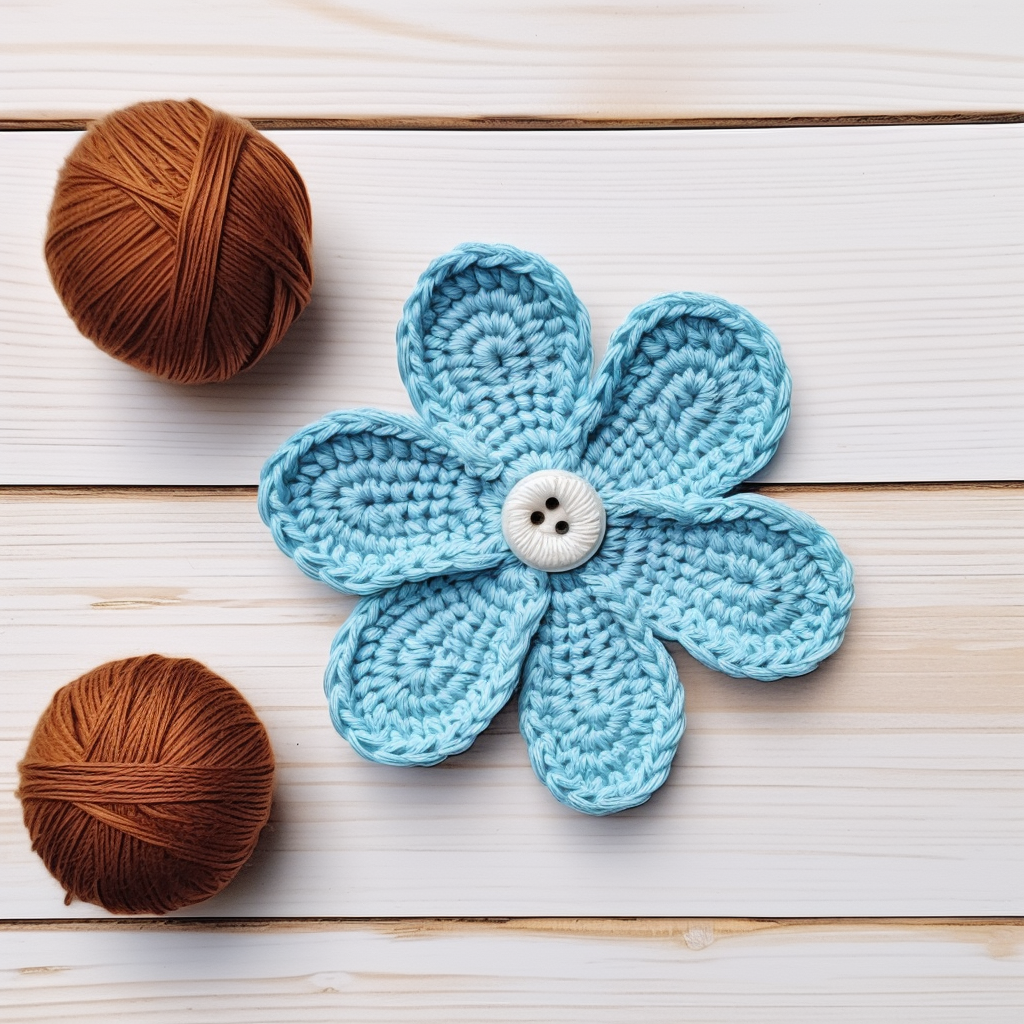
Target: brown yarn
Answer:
[[145, 784], [179, 240]]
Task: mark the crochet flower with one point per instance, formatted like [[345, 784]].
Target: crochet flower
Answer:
[[537, 525]]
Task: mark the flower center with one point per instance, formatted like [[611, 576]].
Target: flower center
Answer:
[[553, 520]]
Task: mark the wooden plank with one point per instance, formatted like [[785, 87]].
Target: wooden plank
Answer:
[[888, 261], [728, 972], [458, 58], [889, 782]]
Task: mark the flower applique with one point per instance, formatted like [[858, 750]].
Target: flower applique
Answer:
[[535, 525]]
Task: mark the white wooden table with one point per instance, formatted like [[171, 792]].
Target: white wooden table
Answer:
[[843, 847]]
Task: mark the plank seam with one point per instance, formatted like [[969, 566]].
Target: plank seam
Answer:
[[185, 491], [502, 123], [640, 927]]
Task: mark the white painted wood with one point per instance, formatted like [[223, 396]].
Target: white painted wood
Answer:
[[888, 260], [890, 782], [457, 57], [703, 972]]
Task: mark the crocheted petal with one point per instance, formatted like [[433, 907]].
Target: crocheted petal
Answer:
[[747, 585], [693, 392], [601, 706], [494, 349], [365, 500], [417, 673]]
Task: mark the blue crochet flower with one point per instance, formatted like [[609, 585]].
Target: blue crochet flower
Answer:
[[690, 400]]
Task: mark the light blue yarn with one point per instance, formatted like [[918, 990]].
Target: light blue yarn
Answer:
[[690, 400]]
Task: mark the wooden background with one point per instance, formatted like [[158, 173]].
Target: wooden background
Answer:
[[834, 848]]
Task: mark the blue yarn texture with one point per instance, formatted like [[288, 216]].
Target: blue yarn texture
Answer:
[[690, 400]]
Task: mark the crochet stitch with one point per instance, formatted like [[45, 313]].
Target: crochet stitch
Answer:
[[690, 400]]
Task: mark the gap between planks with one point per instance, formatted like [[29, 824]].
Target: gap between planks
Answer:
[[215, 492], [694, 932], [499, 123]]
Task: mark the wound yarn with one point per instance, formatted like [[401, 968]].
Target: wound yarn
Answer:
[[179, 240], [146, 784]]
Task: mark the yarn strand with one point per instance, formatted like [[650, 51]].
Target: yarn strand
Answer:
[[199, 233]]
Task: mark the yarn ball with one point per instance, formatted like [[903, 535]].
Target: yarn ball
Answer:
[[179, 240], [146, 784]]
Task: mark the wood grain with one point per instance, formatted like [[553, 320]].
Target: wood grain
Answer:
[[703, 971], [888, 261], [457, 58], [889, 782]]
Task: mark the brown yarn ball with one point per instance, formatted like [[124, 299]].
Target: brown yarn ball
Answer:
[[145, 784], [179, 240]]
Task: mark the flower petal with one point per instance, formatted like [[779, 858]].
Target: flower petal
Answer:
[[601, 706], [365, 500], [693, 392], [417, 673], [747, 585], [494, 349]]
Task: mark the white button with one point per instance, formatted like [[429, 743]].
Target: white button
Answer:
[[553, 520]]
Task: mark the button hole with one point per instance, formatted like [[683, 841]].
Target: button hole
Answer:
[[551, 503], [537, 518], [561, 526]]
